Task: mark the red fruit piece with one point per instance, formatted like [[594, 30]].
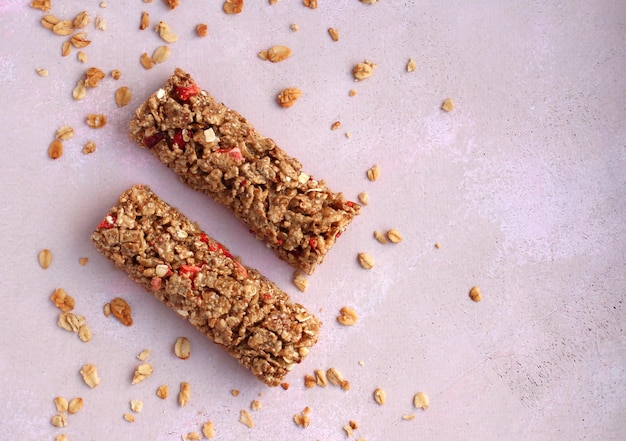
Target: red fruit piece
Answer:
[[152, 140], [184, 92], [178, 139], [107, 223], [234, 153]]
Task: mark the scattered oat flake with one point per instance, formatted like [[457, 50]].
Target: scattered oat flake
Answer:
[[145, 20], [394, 236], [363, 70], [421, 401], [48, 21], [62, 300], [163, 391], [347, 316], [43, 5], [143, 355], [233, 6], [182, 348], [301, 420], [410, 65], [408, 417], [146, 61], [60, 404], [309, 381], [122, 311], [106, 309], [380, 396], [116, 74], [288, 97], [64, 133], [365, 260], [172, 3], [75, 405], [310, 3], [475, 294], [447, 105], [80, 91], [101, 24], [90, 375], [300, 280], [84, 333], [208, 430], [66, 48], [380, 237], [81, 20], [96, 120], [79, 40], [373, 173], [55, 150], [59, 420], [88, 148], [63, 28], [161, 54], [81, 56], [61, 437], [245, 418], [42, 72], [123, 96], [334, 34], [202, 30], [348, 431], [364, 198], [165, 32], [334, 377], [184, 394], [193, 436], [320, 378], [93, 75], [142, 372], [136, 405], [45, 258], [129, 417]]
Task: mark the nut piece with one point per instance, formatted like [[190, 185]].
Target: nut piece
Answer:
[[320, 378], [61, 404], [146, 61], [75, 405], [373, 173], [334, 34], [347, 316], [380, 396], [145, 20], [184, 394], [182, 348], [366, 261], [364, 198], [202, 30], [161, 54], [45, 258], [334, 377], [245, 418], [447, 105], [394, 236], [420, 400], [288, 97], [300, 280], [90, 375], [475, 294], [136, 405], [59, 420], [121, 310], [233, 6], [208, 430], [142, 372], [276, 54], [96, 121], [363, 70], [163, 391], [310, 4], [122, 96], [64, 133], [55, 150], [410, 65]]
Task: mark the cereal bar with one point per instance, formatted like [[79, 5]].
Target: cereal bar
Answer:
[[216, 151], [235, 306]]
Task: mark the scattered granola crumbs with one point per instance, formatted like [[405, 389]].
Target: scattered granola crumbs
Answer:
[[233, 6], [437, 245], [61, 437], [136, 405], [70, 322], [116, 74], [192, 436], [90, 375], [335, 125], [302, 419], [81, 20], [88, 148], [348, 430], [310, 3], [334, 377], [75, 405], [345, 385], [363, 70], [410, 65], [421, 401], [202, 30], [447, 105], [394, 236], [285, 386], [352, 92], [334, 34], [380, 237], [184, 394], [245, 418], [146, 61], [144, 22], [48, 21], [208, 430], [96, 120], [80, 91], [81, 56], [143, 355], [61, 404], [353, 424], [64, 133], [347, 316], [373, 173], [380, 396], [83, 261], [287, 97], [475, 294], [66, 48], [123, 96], [142, 372], [63, 28], [129, 417], [300, 280], [320, 378], [42, 72], [309, 381], [294, 27], [171, 3], [101, 24], [234, 392], [364, 198], [55, 150], [182, 348], [255, 405], [122, 311], [93, 75], [366, 261], [162, 391], [45, 258], [79, 40], [408, 417], [106, 309], [59, 420], [165, 32], [43, 5], [273, 2], [161, 54], [84, 333], [276, 54]]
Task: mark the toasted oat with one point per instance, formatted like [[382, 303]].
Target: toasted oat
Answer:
[[55, 150], [42, 72], [48, 21], [64, 133], [309, 381], [70, 322], [234, 392], [208, 430], [165, 32], [202, 30], [301, 420], [288, 97], [84, 333], [143, 355], [79, 40], [410, 65], [88, 148], [276, 54], [334, 34], [45, 258], [60, 404], [136, 405], [122, 96], [80, 91], [348, 430], [93, 75], [66, 48], [380, 396], [192, 436], [101, 24], [334, 377], [475, 294], [310, 3], [63, 27], [145, 20], [182, 348], [106, 309], [364, 198], [294, 27], [43, 5], [394, 236], [75, 405], [90, 375], [300, 280], [273, 2], [233, 6], [142, 372], [421, 401], [255, 405], [81, 20], [83, 261], [172, 3], [245, 418], [352, 92], [262, 55], [447, 105], [161, 54], [345, 385], [122, 311], [335, 125], [59, 420], [284, 385], [363, 70], [81, 56], [61, 437], [408, 417], [320, 378], [163, 391], [347, 316], [184, 394], [96, 120], [146, 61], [365, 260], [353, 424], [373, 173], [129, 417]]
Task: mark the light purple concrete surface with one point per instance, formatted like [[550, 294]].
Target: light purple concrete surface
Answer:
[[523, 185]]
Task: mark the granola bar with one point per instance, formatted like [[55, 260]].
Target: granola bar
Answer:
[[216, 151], [235, 306]]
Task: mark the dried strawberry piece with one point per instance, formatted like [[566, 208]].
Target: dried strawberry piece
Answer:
[[178, 139], [185, 92], [350, 204], [152, 140], [234, 153], [107, 223], [188, 269], [155, 283], [204, 238], [313, 243]]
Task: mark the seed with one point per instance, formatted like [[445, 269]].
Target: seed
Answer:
[[420, 400], [142, 372], [300, 280], [182, 348], [288, 97], [447, 105], [79, 91], [42, 72], [233, 6], [146, 61], [394, 236], [245, 418], [55, 150], [309, 381], [81, 20], [161, 54], [90, 375], [61, 404], [184, 394], [334, 377], [143, 355], [75, 405], [163, 391], [366, 261], [79, 40], [277, 54], [145, 20], [475, 294], [122, 96], [347, 316], [255, 405], [334, 34], [96, 121], [129, 417], [363, 70], [136, 405], [207, 430], [410, 65], [64, 133], [48, 21], [63, 27], [84, 333], [320, 378], [364, 198], [45, 258], [202, 30], [373, 172], [380, 396], [59, 420]]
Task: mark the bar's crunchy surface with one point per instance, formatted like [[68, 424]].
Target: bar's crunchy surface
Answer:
[[233, 305], [216, 151]]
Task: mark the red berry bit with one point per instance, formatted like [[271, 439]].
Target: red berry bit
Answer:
[[313, 243], [107, 223], [178, 139], [234, 153], [152, 140], [185, 92]]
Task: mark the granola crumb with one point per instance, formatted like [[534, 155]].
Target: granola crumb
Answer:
[[364, 198], [96, 121], [437, 245], [172, 3], [208, 430], [352, 92], [164, 31], [288, 97], [233, 6], [447, 105], [380, 396], [64, 133], [161, 54], [347, 316], [84, 333], [380, 237], [309, 381], [55, 150], [361, 363], [334, 377], [363, 70], [255, 405], [142, 372], [75, 405], [59, 420], [294, 27], [348, 430], [335, 125], [123, 96], [106, 309], [42, 72], [90, 375], [121, 310], [144, 22], [285, 386], [45, 258], [300, 280], [43, 5], [93, 76], [320, 378], [129, 417], [162, 391], [366, 261], [202, 30], [245, 418], [394, 236], [182, 348], [348, 135], [302, 420], [234, 392], [143, 355], [475, 294], [146, 61], [61, 437], [421, 401], [276, 54], [373, 173], [184, 394], [408, 417], [353, 424], [81, 56], [136, 405], [312, 4], [116, 74], [88, 148], [410, 65], [101, 24], [334, 34], [80, 91], [61, 404]]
